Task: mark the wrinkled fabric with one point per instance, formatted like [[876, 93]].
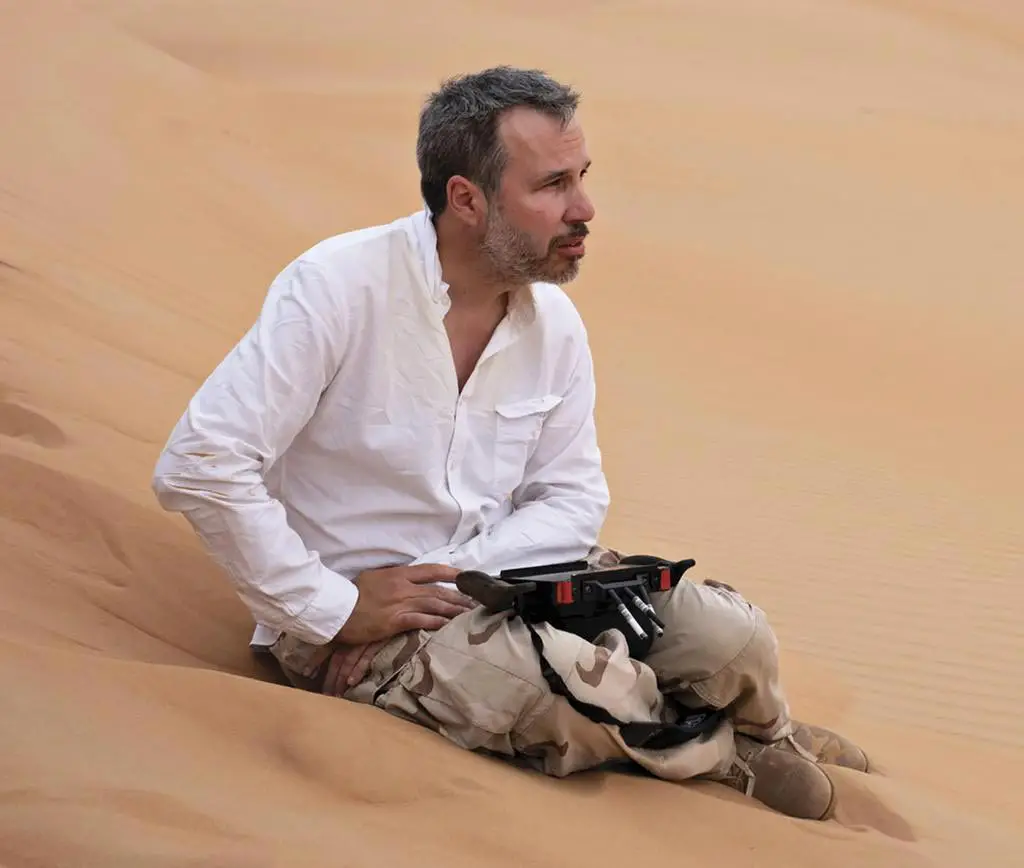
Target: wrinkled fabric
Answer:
[[333, 438], [477, 682]]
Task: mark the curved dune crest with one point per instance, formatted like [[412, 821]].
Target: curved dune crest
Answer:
[[804, 300]]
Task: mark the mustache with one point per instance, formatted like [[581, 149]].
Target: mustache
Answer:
[[577, 232]]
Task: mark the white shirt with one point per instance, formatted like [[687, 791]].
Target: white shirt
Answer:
[[332, 439]]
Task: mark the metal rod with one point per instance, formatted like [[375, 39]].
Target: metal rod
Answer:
[[646, 607], [627, 615]]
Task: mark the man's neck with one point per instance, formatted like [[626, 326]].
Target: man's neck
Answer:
[[471, 288]]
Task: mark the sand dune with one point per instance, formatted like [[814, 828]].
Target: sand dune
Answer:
[[805, 302]]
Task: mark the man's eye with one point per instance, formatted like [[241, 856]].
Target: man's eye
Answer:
[[564, 180]]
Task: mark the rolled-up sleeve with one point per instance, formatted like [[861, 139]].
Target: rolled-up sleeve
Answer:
[[236, 425]]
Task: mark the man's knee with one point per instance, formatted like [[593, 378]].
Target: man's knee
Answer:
[[748, 657], [710, 629], [747, 643], [761, 652]]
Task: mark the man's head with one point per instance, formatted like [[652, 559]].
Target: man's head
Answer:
[[502, 156]]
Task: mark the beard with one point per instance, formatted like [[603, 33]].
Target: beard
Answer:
[[513, 258]]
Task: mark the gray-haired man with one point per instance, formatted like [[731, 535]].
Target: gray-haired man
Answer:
[[417, 399]]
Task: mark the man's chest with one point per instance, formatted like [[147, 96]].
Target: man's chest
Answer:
[[423, 409], [468, 346]]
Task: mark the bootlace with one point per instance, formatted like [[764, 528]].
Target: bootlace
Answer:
[[806, 754], [748, 773]]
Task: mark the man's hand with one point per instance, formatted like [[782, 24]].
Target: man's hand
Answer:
[[398, 599], [391, 600], [349, 665]]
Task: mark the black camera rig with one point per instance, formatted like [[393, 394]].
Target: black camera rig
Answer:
[[587, 600], [582, 598]]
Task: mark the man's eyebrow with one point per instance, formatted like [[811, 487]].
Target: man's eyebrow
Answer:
[[560, 173]]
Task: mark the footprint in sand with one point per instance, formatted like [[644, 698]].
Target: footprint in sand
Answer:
[[24, 424]]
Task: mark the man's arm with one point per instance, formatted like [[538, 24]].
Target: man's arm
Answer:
[[561, 504], [238, 423]]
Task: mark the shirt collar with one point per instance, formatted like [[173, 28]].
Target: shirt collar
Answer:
[[522, 308]]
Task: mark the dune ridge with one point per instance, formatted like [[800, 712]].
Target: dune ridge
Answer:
[[804, 301]]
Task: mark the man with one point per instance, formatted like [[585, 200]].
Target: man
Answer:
[[417, 399]]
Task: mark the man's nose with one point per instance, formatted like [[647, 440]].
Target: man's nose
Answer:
[[581, 209]]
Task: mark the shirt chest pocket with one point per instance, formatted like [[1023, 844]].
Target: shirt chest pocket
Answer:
[[518, 427]]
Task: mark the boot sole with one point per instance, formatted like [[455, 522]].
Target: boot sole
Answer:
[[830, 809]]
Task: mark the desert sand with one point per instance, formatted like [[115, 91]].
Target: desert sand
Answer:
[[804, 294]]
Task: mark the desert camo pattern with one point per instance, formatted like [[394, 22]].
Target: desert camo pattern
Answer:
[[478, 683]]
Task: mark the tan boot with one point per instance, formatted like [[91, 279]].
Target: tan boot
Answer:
[[781, 779], [828, 747]]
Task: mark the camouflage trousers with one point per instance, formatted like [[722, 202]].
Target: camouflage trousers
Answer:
[[477, 682]]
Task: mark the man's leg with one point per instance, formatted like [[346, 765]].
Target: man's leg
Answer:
[[478, 683], [719, 650]]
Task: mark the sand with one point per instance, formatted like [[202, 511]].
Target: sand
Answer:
[[804, 296]]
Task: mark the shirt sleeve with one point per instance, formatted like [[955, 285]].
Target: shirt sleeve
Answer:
[[560, 506], [240, 420]]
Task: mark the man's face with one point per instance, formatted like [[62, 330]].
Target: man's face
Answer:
[[537, 222]]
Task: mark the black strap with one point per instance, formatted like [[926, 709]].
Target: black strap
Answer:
[[694, 723]]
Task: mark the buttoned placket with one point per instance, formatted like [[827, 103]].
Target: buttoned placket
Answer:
[[504, 335]]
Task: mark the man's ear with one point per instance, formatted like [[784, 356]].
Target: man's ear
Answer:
[[466, 201]]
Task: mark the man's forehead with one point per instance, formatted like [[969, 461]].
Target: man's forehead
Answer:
[[539, 141]]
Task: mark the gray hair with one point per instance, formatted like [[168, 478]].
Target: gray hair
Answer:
[[458, 129]]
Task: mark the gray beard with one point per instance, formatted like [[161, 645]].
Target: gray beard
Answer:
[[512, 259]]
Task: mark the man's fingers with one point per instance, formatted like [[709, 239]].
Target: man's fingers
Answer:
[[341, 663], [420, 621], [424, 573], [437, 606], [458, 598], [447, 595], [340, 666], [359, 667], [349, 666], [362, 664]]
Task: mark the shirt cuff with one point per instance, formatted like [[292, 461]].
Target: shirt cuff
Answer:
[[321, 620]]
